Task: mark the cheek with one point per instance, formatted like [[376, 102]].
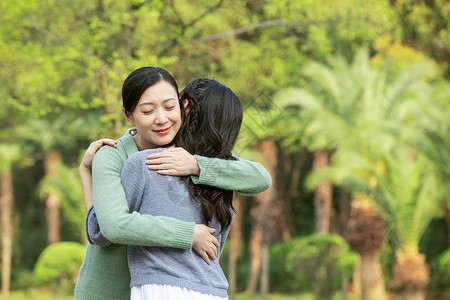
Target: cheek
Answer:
[[175, 116]]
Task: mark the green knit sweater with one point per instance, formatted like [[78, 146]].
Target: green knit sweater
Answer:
[[104, 273]]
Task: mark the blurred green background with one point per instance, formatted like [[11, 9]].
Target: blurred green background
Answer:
[[346, 104]]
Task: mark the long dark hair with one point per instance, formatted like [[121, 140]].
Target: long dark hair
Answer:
[[211, 129], [139, 81]]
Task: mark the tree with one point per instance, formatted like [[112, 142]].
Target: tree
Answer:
[[9, 155], [360, 112], [409, 194], [67, 189], [50, 137], [424, 25]]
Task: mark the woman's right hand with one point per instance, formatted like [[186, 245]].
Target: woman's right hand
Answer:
[[86, 163], [204, 242], [85, 169]]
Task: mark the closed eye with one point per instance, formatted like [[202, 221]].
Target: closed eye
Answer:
[[170, 108]]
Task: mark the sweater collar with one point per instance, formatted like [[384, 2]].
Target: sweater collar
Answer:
[[129, 143]]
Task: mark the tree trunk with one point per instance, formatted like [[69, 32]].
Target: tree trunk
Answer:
[[235, 243], [356, 287], [372, 277], [345, 207], [414, 295], [264, 213], [52, 205], [323, 195], [447, 217], [265, 272], [411, 274], [366, 234], [6, 203], [255, 261]]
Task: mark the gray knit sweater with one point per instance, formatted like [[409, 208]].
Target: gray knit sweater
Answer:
[[148, 192]]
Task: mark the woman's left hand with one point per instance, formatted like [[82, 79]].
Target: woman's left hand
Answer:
[[173, 161]]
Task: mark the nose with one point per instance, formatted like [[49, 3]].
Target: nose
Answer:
[[161, 117]]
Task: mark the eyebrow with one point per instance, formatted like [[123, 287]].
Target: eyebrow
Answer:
[[151, 103]]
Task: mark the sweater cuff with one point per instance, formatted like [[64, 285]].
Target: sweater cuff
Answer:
[[206, 177], [91, 210], [183, 234]]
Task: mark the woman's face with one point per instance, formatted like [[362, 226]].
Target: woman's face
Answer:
[[157, 116]]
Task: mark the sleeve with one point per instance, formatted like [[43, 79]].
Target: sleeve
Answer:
[[93, 232], [112, 213], [244, 176]]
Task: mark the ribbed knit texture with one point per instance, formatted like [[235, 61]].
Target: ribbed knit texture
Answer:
[[247, 177], [159, 195]]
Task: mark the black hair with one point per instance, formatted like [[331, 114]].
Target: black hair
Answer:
[[211, 129], [139, 81]]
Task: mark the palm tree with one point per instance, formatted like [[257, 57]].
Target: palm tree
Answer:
[[255, 135], [9, 155], [66, 187], [409, 194], [50, 137], [359, 111], [435, 142]]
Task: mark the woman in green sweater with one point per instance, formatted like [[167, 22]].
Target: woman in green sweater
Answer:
[[150, 100]]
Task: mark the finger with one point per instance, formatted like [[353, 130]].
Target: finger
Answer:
[[159, 167], [156, 161], [215, 241], [205, 257], [161, 154], [211, 230], [168, 172], [212, 252], [109, 142]]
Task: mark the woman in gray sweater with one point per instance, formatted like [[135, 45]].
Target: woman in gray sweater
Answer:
[[211, 129]]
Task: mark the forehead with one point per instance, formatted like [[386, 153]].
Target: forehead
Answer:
[[158, 93]]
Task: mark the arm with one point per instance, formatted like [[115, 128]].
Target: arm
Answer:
[[114, 219], [85, 169], [119, 226], [244, 176]]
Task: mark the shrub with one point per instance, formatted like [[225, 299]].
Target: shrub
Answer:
[[281, 278], [322, 262], [440, 273], [58, 265]]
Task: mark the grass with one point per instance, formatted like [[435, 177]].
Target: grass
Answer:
[[36, 294]]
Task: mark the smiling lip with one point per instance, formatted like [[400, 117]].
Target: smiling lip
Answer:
[[162, 131]]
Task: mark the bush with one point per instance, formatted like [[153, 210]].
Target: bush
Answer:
[[440, 273], [58, 265], [22, 279], [322, 262], [281, 279]]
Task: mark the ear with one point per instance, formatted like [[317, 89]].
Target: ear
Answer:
[[186, 106], [129, 117]]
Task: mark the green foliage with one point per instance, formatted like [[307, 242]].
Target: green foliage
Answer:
[[66, 187], [10, 154], [322, 262], [440, 272], [22, 279], [58, 265], [281, 278], [409, 195]]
